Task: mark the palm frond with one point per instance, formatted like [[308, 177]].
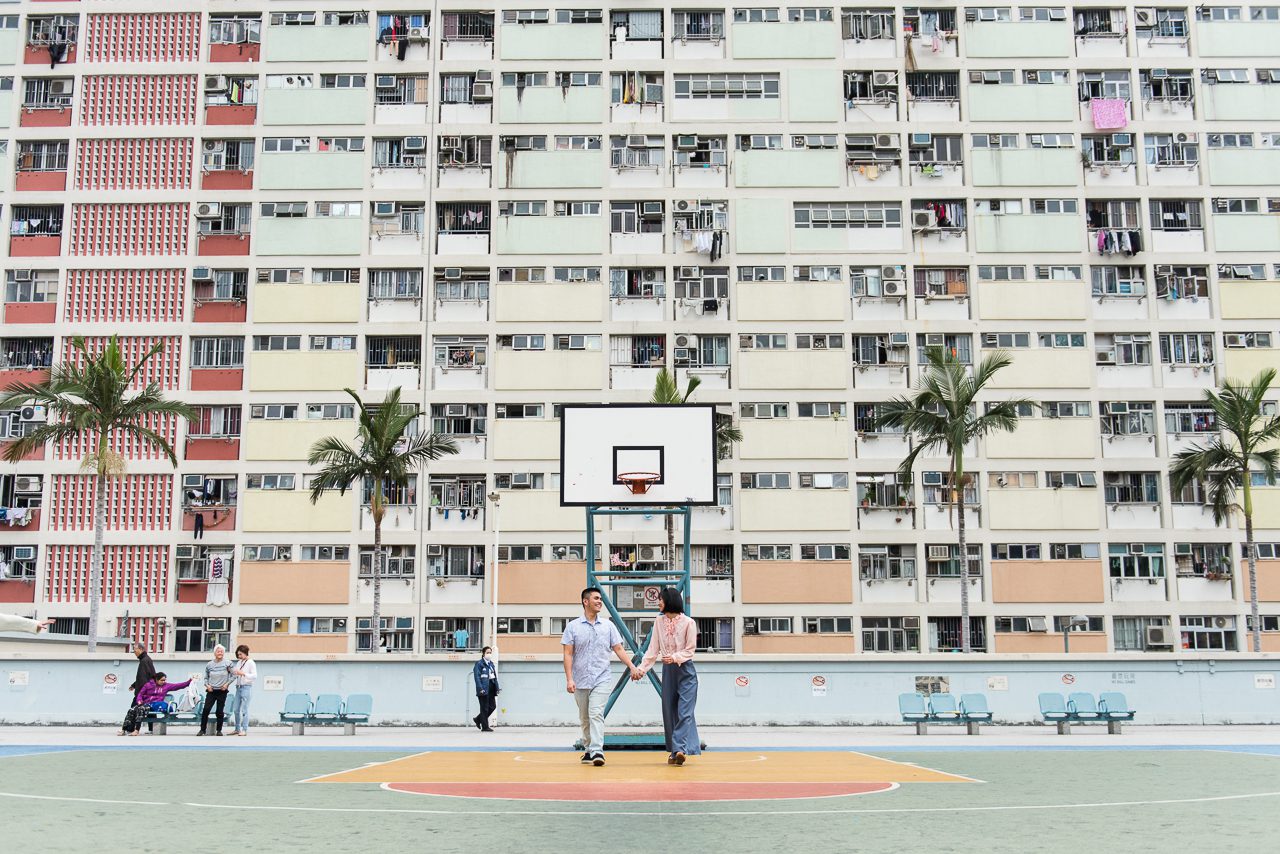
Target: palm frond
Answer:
[[152, 438]]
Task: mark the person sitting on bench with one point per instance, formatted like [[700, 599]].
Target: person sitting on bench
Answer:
[[151, 698]]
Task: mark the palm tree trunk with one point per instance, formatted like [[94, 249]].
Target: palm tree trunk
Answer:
[[375, 506], [957, 484], [95, 564], [1251, 555]]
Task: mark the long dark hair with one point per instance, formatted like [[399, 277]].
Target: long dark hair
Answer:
[[672, 601]]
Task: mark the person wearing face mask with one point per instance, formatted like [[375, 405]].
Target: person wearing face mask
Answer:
[[486, 679], [217, 681]]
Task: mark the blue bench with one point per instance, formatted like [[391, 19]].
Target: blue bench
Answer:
[[1111, 709], [327, 710], [970, 712], [191, 716]]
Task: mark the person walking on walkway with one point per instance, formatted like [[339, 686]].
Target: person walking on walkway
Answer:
[[146, 673], [486, 679], [673, 639], [587, 642], [245, 672], [217, 681]]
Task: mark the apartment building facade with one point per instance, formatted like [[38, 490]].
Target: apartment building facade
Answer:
[[503, 210]]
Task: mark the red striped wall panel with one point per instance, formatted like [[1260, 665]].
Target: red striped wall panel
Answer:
[[149, 37], [125, 296], [144, 630], [135, 502], [129, 573], [138, 99], [152, 229], [126, 445], [164, 368], [133, 164]]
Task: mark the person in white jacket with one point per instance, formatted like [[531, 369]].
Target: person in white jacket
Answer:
[[14, 623], [245, 672]]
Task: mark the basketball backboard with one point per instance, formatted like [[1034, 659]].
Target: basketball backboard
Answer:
[[600, 442]]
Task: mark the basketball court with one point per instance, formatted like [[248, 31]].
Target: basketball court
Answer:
[[837, 789]]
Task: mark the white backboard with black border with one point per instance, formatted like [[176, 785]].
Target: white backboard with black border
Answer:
[[599, 442]]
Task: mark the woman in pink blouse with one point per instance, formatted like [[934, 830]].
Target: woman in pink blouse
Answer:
[[674, 639]]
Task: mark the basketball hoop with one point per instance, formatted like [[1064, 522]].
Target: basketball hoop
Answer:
[[639, 481]]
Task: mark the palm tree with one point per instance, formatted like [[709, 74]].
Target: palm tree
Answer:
[[1224, 466], [667, 392], [384, 460], [89, 397], [942, 416]]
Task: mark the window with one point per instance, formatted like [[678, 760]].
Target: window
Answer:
[[1127, 418], [837, 551], [1216, 632], [525, 16], [765, 480], [944, 560], [773, 625], [1189, 418], [332, 342], [1002, 273], [273, 411], [697, 26], [890, 634], [463, 492], [936, 85], [960, 346], [1202, 560], [31, 286], [519, 553], [214, 422], [1231, 140], [1130, 633], [834, 409], [867, 24], [1073, 551], [322, 625], [270, 481], [828, 625], [520, 626], [762, 342], [1020, 625], [277, 343], [637, 151], [1070, 480], [886, 563], [1136, 560], [1123, 282], [518, 410], [326, 553], [264, 625], [1067, 408], [824, 480], [397, 561], [1186, 348], [1122, 349], [848, 215], [522, 208], [577, 16], [1012, 479], [766, 552], [726, 86], [1218, 13], [331, 411], [577, 209], [396, 633], [1061, 340], [1131, 487], [994, 140], [522, 342], [1054, 206], [217, 352], [342, 81], [459, 419]]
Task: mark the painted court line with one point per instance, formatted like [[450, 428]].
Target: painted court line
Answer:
[[364, 766], [921, 767], [390, 787], [657, 813]]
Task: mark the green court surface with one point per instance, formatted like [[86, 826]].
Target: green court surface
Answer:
[[317, 799]]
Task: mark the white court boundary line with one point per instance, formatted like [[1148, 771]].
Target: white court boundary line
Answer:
[[921, 767], [657, 813], [386, 787], [320, 777]]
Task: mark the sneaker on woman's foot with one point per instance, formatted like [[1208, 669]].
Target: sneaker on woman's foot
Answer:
[[597, 759], [679, 757], [586, 758]]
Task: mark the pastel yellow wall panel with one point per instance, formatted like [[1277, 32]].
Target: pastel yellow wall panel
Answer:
[[307, 303], [292, 510]]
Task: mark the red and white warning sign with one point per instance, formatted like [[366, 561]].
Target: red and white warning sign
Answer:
[[1068, 679], [819, 684], [651, 596], [743, 682]]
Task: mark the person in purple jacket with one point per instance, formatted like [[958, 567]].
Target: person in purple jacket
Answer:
[[151, 697]]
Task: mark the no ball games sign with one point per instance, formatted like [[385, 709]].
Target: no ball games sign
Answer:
[[819, 685]]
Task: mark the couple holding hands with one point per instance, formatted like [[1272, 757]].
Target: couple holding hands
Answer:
[[588, 642]]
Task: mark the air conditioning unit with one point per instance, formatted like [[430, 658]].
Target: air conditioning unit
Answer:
[[685, 205], [187, 552], [24, 552], [886, 140], [884, 78], [435, 550], [911, 622], [284, 553], [898, 340], [893, 288], [415, 143], [215, 83], [935, 339], [1159, 636], [202, 274], [482, 91], [921, 140], [1116, 407], [209, 210], [686, 143], [21, 275], [976, 76], [453, 273], [60, 87], [651, 554], [433, 625], [384, 208], [214, 146], [648, 275], [750, 626], [682, 355], [1136, 548], [450, 142], [891, 273], [417, 34], [636, 140], [924, 220], [687, 341], [484, 76], [33, 413], [1182, 549], [521, 480], [651, 209], [939, 553], [1159, 73], [1233, 339], [1145, 17], [689, 273], [455, 410], [1105, 357], [26, 484]]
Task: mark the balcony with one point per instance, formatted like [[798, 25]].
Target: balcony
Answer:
[[301, 106], [349, 43], [310, 236], [30, 312], [304, 371], [551, 41], [1016, 39], [529, 370], [333, 303], [211, 448], [803, 439], [785, 40], [789, 168], [397, 518], [1062, 581], [794, 369], [551, 105], [797, 582], [541, 235], [555, 302], [223, 243], [312, 170], [531, 170], [271, 511], [217, 379], [1025, 167], [220, 298], [796, 510], [1027, 232]]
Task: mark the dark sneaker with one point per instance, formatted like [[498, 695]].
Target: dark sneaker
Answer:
[[671, 759], [679, 758], [476, 721], [219, 732], [201, 732], [597, 759], [586, 758]]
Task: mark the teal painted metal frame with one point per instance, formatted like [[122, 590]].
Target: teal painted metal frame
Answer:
[[609, 578]]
